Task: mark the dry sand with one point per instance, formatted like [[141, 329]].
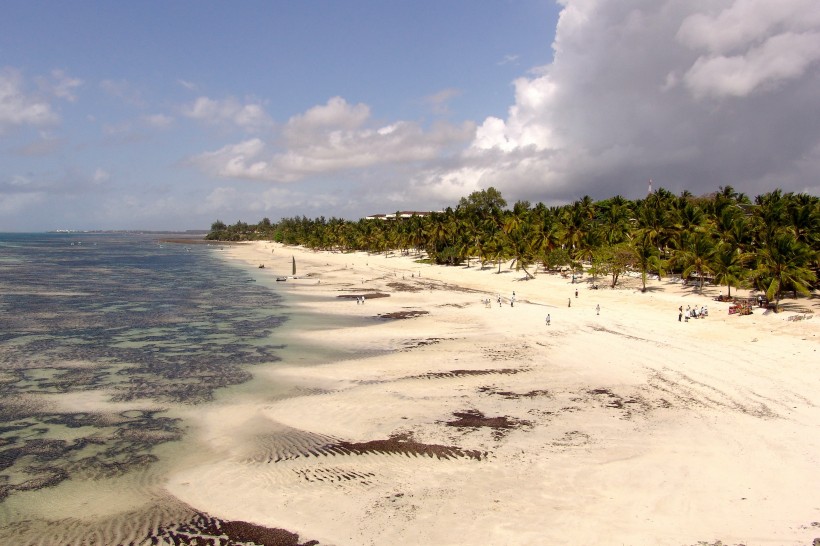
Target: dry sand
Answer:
[[425, 417]]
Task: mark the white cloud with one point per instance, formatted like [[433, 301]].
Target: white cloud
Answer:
[[331, 138], [751, 45], [782, 57], [60, 85], [249, 116], [20, 108], [190, 86], [508, 59], [744, 23], [234, 160]]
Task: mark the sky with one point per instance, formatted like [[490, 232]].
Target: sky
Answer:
[[170, 115]]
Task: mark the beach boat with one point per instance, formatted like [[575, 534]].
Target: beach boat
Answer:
[[281, 279]]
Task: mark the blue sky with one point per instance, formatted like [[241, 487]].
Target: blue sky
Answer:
[[170, 115]]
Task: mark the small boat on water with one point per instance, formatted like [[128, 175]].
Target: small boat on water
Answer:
[[281, 278]]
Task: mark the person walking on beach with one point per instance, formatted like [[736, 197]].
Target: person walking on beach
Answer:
[[512, 300], [576, 293], [548, 319], [569, 302], [598, 309]]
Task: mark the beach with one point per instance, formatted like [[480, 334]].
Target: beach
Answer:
[[436, 405]]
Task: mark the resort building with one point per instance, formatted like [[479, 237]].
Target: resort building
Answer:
[[399, 214]]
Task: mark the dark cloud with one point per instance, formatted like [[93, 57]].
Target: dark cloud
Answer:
[[694, 95]]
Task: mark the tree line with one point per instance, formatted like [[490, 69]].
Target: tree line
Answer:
[[771, 244]]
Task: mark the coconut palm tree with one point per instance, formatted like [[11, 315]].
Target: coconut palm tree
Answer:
[[728, 266], [614, 219], [784, 264], [696, 255], [647, 258]]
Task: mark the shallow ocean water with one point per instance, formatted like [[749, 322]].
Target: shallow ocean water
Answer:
[[102, 337]]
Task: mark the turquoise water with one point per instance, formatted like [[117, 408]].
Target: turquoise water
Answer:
[[101, 336]]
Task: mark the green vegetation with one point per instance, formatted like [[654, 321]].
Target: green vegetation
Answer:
[[771, 244]]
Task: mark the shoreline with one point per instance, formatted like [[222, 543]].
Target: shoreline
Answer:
[[425, 416]]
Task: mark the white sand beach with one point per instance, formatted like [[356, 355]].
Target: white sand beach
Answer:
[[436, 419]]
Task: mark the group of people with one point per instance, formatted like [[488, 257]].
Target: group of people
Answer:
[[692, 312], [488, 303], [359, 300]]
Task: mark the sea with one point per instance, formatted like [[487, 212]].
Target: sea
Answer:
[[107, 341]]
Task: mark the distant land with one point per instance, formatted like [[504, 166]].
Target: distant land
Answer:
[[191, 232]]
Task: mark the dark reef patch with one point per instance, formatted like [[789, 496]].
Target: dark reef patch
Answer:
[[121, 314]]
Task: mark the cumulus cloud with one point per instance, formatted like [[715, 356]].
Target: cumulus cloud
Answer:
[[18, 106], [333, 137], [230, 111], [751, 44], [692, 94]]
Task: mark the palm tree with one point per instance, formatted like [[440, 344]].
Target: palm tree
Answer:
[[614, 219], [547, 234], [437, 234], [727, 265], [497, 248], [783, 264], [647, 257], [655, 219], [696, 255], [520, 235], [575, 224]]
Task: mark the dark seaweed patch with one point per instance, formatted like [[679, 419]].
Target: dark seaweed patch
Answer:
[[465, 373], [206, 530], [397, 315], [514, 395], [475, 419]]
